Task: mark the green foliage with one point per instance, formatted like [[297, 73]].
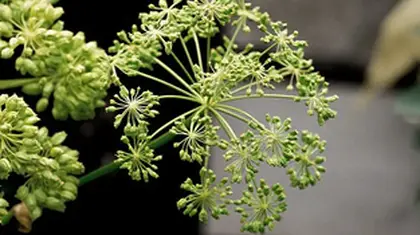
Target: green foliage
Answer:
[[78, 74]]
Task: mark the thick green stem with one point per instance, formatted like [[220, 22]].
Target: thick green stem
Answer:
[[17, 82], [208, 54], [112, 167]]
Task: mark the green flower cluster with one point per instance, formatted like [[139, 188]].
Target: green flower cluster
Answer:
[[219, 75], [58, 62], [77, 74], [29, 151]]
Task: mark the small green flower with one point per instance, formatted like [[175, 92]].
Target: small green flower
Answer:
[[245, 156], [139, 159], [206, 198], [198, 135], [261, 206], [136, 105], [305, 169], [277, 141]]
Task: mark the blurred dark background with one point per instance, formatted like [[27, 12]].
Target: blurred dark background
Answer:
[[115, 203]]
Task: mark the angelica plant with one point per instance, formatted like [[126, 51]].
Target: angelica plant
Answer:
[[75, 75]]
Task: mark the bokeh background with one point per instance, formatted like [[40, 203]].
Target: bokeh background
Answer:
[[373, 164]]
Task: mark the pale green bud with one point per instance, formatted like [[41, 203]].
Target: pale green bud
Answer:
[[5, 12], [3, 203], [58, 138], [55, 204], [32, 89], [42, 105], [36, 213], [6, 29], [40, 195], [22, 192], [7, 53], [68, 196]]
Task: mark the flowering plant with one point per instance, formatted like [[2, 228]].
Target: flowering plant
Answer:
[[73, 77]]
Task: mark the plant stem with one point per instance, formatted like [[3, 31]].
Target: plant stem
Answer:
[[238, 110], [17, 82], [244, 87], [268, 49], [278, 96], [225, 125], [208, 54], [235, 34], [197, 46], [174, 120], [180, 97], [176, 76], [111, 167], [187, 53], [232, 114], [164, 83], [182, 66]]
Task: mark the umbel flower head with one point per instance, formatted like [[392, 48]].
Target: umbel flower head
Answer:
[[60, 63], [213, 77], [48, 165]]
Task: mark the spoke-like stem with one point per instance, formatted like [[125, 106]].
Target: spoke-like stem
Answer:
[[187, 53], [232, 114], [277, 96], [235, 35], [243, 112], [244, 87], [174, 120], [208, 54], [176, 76], [225, 125], [268, 49], [17, 82], [145, 75], [197, 46], [183, 67], [179, 97]]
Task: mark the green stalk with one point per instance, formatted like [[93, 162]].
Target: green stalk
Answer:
[[111, 167], [17, 82]]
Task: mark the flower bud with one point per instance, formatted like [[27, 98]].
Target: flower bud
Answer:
[[7, 53], [42, 105], [32, 89], [56, 151], [3, 203], [36, 213], [30, 201], [48, 89], [6, 29], [22, 192], [31, 120], [68, 196], [71, 187], [58, 138], [3, 212], [40, 195], [55, 204], [5, 12]]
